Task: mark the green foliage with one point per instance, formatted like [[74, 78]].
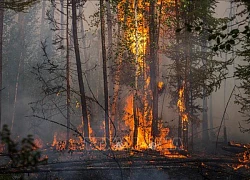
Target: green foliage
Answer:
[[192, 57], [17, 5], [22, 156], [6, 177], [225, 40]]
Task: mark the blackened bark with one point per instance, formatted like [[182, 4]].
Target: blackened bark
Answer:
[[79, 72], [153, 66], [1, 62], [105, 78], [67, 71], [178, 65]]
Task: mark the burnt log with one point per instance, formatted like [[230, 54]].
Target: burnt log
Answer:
[[233, 149]]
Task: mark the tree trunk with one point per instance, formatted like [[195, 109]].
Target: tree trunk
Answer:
[[117, 85], [50, 43], [135, 96], [105, 78], [205, 134], [1, 61], [211, 126], [79, 73], [84, 41], [67, 71], [178, 65], [153, 67], [21, 24], [110, 45]]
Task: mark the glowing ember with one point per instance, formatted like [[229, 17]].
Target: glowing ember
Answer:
[[160, 86]]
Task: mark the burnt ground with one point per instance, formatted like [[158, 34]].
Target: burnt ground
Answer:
[[132, 165]]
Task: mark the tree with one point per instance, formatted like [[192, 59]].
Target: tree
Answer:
[[24, 156], [16, 6], [79, 72], [229, 39], [105, 77], [67, 71], [153, 66], [1, 61], [191, 57]]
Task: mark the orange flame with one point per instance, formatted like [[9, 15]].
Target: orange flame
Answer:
[[137, 36], [181, 105]]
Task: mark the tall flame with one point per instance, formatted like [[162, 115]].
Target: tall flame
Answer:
[[137, 35], [181, 105]]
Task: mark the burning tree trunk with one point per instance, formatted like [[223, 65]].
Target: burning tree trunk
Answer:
[[116, 82], [105, 78], [1, 60], [79, 72], [135, 97], [153, 67], [177, 61]]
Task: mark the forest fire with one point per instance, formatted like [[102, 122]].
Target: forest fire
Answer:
[[124, 89], [137, 121]]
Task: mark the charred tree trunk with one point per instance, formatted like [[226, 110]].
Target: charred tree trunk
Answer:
[[1, 61], [178, 64], [116, 82], [79, 72], [67, 71], [105, 77], [135, 97], [153, 67], [136, 120]]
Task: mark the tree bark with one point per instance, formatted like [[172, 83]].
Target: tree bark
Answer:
[[84, 40], [153, 67], [116, 82], [135, 96], [178, 65], [79, 73], [1, 60], [50, 43], [67, 71], [105, 77], [110, 46], [21, 23]]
